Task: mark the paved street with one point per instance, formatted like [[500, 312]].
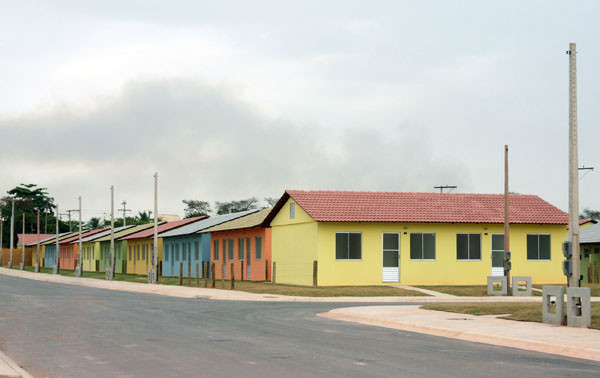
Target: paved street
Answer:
[[71, 331]]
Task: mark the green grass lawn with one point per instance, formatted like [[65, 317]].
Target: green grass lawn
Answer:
[[259, 287], [594, 288], [464, 291], [528, 312]]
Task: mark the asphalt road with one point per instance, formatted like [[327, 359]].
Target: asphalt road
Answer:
[[71, 331]]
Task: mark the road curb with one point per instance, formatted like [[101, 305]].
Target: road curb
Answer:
[[512, 342], [9, 368]]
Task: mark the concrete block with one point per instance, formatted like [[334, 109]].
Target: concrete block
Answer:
[[491, 280], [54, 269], [579, 310], [515, 286], [36, 268], [78, 271], [22, 266], [553, 297]]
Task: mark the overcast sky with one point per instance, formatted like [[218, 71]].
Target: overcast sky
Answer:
[[228, 100]]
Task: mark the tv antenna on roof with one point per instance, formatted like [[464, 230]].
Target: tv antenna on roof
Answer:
[[586, 170], [442, 187]]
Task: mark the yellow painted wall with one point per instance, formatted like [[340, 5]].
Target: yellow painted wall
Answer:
[[89, 264], [294, 250], [294, 246], [141, 265]]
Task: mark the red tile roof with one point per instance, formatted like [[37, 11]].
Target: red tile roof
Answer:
[[586, 220], [31, 238], [162, 227], [345, 206]]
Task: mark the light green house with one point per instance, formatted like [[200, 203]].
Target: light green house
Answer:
[[589, 239]]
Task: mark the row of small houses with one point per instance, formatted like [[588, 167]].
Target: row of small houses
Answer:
[[354, 238]]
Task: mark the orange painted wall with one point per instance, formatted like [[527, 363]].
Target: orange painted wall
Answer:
[[260, 270], [68, 256]]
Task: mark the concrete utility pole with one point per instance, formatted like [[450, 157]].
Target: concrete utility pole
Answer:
[[125, 210], [111, 270], [79, 268], [1, 240], [507, 263], [574, 279], [12, 234], [69, 214], [22, 264], [57, 253], [154, 277], [36, 267]]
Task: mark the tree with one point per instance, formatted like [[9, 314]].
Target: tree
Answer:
[[271, 201], [236, 206], [196, 208], [588, 213], [28, 200], [94, 223], [144, 217]]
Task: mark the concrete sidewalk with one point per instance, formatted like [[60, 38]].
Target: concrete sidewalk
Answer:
[[234, 295], [488, 329], [9, 368]]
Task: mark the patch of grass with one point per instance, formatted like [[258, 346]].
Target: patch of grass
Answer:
[[594, 288], [460, 291], [466, 291], [259, 287], [527, 312]]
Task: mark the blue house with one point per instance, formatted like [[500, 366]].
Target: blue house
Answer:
[[185, 245], [50, 248]]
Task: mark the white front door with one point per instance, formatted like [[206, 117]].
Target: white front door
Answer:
[[497, 254], [390, 257]]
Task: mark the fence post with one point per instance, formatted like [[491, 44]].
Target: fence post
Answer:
[[315, 267], [205, 272], [190, 271], [213, 275], [274, 273], [242, 270], [232, 278], [266, 269], [198, 275], [181, 273], [223, 269]]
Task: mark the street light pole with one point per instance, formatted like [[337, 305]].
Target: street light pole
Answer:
[[57, 253], [22, 264]]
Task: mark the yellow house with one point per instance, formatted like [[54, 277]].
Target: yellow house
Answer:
[[375, 238]]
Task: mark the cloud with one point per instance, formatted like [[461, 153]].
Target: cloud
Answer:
[[207, 144]]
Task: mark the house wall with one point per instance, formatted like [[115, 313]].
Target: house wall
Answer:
[[68, 256], [174, 256], [445, 269], [294, 245], [120, 246], [138, 254], [91, 254], [49, 255], [593, 252], [259, 269]]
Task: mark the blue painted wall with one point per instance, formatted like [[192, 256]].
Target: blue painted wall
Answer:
[[50, 255], [173, 253]]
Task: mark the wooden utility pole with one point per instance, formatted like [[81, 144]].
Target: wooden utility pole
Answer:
[[507, 263], [57, 252], [574, 279]]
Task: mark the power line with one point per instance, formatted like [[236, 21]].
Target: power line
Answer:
[[442, 187]]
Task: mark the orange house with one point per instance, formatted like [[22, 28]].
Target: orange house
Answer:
[[69, 248], [245, 242]]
